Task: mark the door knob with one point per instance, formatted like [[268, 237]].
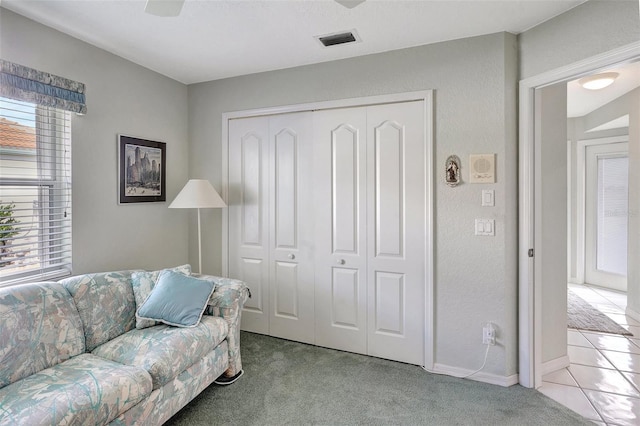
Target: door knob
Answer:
[[291, 256], [341, 262]]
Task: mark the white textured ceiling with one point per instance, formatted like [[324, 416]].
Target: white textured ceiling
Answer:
[[216, 39]]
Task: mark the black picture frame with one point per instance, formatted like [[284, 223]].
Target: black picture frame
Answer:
[[142, 170]]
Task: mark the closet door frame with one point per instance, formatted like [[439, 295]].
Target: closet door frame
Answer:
[[426, 96]]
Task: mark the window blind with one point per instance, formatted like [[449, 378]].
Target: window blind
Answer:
[[612, 214], [35, 192]]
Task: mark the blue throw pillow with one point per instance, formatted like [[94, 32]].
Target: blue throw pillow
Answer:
[[143, 282], [177, 299]]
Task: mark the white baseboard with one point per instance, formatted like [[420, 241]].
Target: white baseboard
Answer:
[[633, 314], [555, 365], [493, 379]]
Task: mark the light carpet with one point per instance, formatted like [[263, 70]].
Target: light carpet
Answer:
[[581, 315], [289, 383]]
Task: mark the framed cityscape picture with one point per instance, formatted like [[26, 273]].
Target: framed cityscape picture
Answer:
[[142, 170]]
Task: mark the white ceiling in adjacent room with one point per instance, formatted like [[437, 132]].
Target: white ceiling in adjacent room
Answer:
[[618, 123], [216, 39], [581, 101]]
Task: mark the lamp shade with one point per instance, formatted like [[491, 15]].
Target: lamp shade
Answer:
[[197, 194]]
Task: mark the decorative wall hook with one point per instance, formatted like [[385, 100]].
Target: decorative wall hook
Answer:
[[452, 170]]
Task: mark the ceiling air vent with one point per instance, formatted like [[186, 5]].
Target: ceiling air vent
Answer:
[[336, 39]]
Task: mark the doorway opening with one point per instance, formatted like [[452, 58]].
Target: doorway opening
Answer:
[[598, 191], [601, 336], [532, 308], [597, 374]]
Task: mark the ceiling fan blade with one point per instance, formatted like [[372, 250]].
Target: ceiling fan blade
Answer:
[[164, 7], [350, 4]]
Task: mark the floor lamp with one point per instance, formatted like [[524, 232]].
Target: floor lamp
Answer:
[[198, 194]]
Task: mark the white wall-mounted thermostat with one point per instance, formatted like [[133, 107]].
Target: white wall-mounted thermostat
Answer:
[[482, 168]]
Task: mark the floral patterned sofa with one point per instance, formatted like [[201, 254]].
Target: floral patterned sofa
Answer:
[[70, 352]]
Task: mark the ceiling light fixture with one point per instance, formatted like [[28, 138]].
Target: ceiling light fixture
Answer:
[[598, 81], [350, 4], [164, 8]]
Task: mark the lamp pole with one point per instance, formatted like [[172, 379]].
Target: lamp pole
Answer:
[[199, 245]]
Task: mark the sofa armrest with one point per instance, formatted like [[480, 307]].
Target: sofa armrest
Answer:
[[226, 302], [228, 292]]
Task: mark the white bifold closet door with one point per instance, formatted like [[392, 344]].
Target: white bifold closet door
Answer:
[[370, 185], [271, 222], [327, 225]]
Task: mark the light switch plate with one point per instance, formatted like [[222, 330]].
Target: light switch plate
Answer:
[[485, 227], [488, 198], [482, 168]]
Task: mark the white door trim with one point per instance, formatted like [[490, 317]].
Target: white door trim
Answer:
[[529, 304], [427, 97]]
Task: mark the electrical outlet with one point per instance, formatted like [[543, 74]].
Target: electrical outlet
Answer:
[[488, 334]]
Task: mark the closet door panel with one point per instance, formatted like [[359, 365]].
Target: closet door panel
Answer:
[[248, 216], [286, 195], [291, 257], [344, 298], [340, 189], [396, 235], [251, 181], [252, 271], [344, 187], [286, 300], [389, 189], [389, 303]]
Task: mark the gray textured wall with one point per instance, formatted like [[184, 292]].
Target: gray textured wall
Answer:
[[594, 27], [591, 29], [551, 217], [474, 81], [475, 112], [633, 275], [122, 98]]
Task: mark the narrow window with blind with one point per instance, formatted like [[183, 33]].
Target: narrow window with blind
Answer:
[[35, 192]]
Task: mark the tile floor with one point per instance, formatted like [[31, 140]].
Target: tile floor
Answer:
[[603, 381]]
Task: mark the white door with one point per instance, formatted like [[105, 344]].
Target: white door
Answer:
[[271, 222], [248, 212], [341, 229], [396, 237], [291, 227], [371, 230], [607, 213]]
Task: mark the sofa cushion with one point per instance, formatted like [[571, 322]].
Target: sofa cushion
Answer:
[[83, 390], [39, 327], [165, 351], [163, 403], [105, 303], [177, 300], [143, 282]]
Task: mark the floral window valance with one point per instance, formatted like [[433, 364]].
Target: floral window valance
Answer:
[[29, 85]]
